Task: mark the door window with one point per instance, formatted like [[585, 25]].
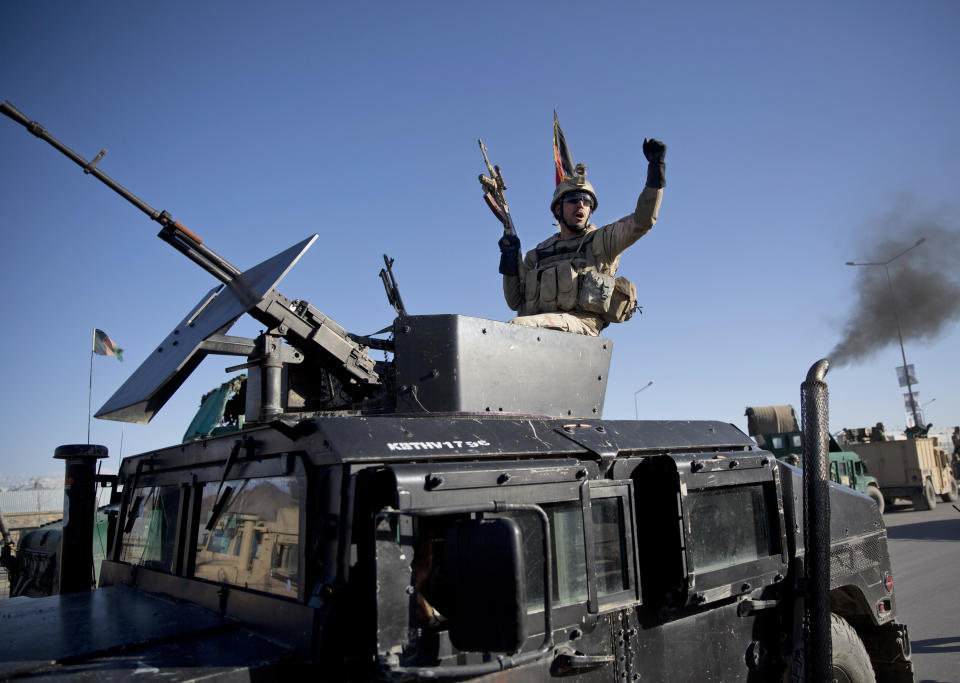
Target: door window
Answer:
[[731, 525], [570, 564], [609, 551]]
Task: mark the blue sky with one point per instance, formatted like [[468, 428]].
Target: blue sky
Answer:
[[794, 133]]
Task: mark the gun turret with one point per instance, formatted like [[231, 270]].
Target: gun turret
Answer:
[[319, 342], [306, 365]]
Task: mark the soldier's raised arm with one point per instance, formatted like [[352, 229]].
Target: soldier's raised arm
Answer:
[[624, 232]]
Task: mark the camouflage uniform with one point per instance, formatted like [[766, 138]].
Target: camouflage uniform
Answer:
[[607, 244]]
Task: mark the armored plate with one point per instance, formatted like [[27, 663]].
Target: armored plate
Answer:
[[162, 373], [454, 363]]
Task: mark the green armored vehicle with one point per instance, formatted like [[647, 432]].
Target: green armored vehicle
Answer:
[[420, 518], [776, 429]]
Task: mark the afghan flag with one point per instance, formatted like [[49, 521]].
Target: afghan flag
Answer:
[[104, 346], [561, 153]]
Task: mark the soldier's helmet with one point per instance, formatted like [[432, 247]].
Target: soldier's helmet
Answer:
[[578, 183]]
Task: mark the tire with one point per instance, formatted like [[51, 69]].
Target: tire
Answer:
[[951, 494], [926, 499], [874, 493], [851, 664]]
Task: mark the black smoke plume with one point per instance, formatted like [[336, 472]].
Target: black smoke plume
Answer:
[[925, 283]]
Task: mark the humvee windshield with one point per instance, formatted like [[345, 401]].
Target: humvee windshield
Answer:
[[150, 534], [255, 539], [254, 542]]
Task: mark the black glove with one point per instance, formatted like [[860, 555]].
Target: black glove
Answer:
[[509, 254], [655, 151]]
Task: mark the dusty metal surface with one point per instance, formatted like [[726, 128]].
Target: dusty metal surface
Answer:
[[116, 631]]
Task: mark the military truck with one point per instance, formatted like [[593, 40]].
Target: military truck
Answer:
[[776, 429], [422, 517], [917, 469]]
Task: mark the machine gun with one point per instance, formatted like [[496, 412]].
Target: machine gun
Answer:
[[353, 378]]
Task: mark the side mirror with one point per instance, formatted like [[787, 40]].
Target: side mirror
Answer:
[[485, 597]]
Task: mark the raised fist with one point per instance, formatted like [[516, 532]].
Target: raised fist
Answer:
[[653, 149], [509, 243], [509, 254]]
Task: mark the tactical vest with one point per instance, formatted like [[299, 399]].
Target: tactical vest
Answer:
[[568, 278]]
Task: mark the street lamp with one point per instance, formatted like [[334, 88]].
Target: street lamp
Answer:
[[636, 410], [896, 313]]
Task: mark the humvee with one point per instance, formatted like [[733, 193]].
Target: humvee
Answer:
[[425, 517]]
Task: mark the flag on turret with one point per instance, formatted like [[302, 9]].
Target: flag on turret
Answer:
[[561, 153], [104, 345]]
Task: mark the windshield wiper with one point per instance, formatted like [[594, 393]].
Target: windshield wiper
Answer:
[[221, 501]]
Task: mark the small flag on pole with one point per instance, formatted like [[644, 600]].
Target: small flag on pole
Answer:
[[561, 153], [104, 346]]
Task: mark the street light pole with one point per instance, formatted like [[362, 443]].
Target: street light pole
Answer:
[[636, 409], [896, 314]]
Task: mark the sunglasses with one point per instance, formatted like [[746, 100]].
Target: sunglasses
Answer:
[[577, 197]]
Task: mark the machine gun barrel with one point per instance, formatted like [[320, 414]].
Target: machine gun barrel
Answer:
[[173, 232], [309, 330]]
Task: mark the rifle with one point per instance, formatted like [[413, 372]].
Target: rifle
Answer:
[[493, 187]]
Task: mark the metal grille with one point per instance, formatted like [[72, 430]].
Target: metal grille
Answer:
[[862, 556]]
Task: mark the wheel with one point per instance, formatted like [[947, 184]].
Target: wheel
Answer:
[[874, 493], [951, 494], [926, 499], [851, 664]]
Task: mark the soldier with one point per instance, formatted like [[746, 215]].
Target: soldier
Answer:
[[568, 281], [955, 438], [877, 433]]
